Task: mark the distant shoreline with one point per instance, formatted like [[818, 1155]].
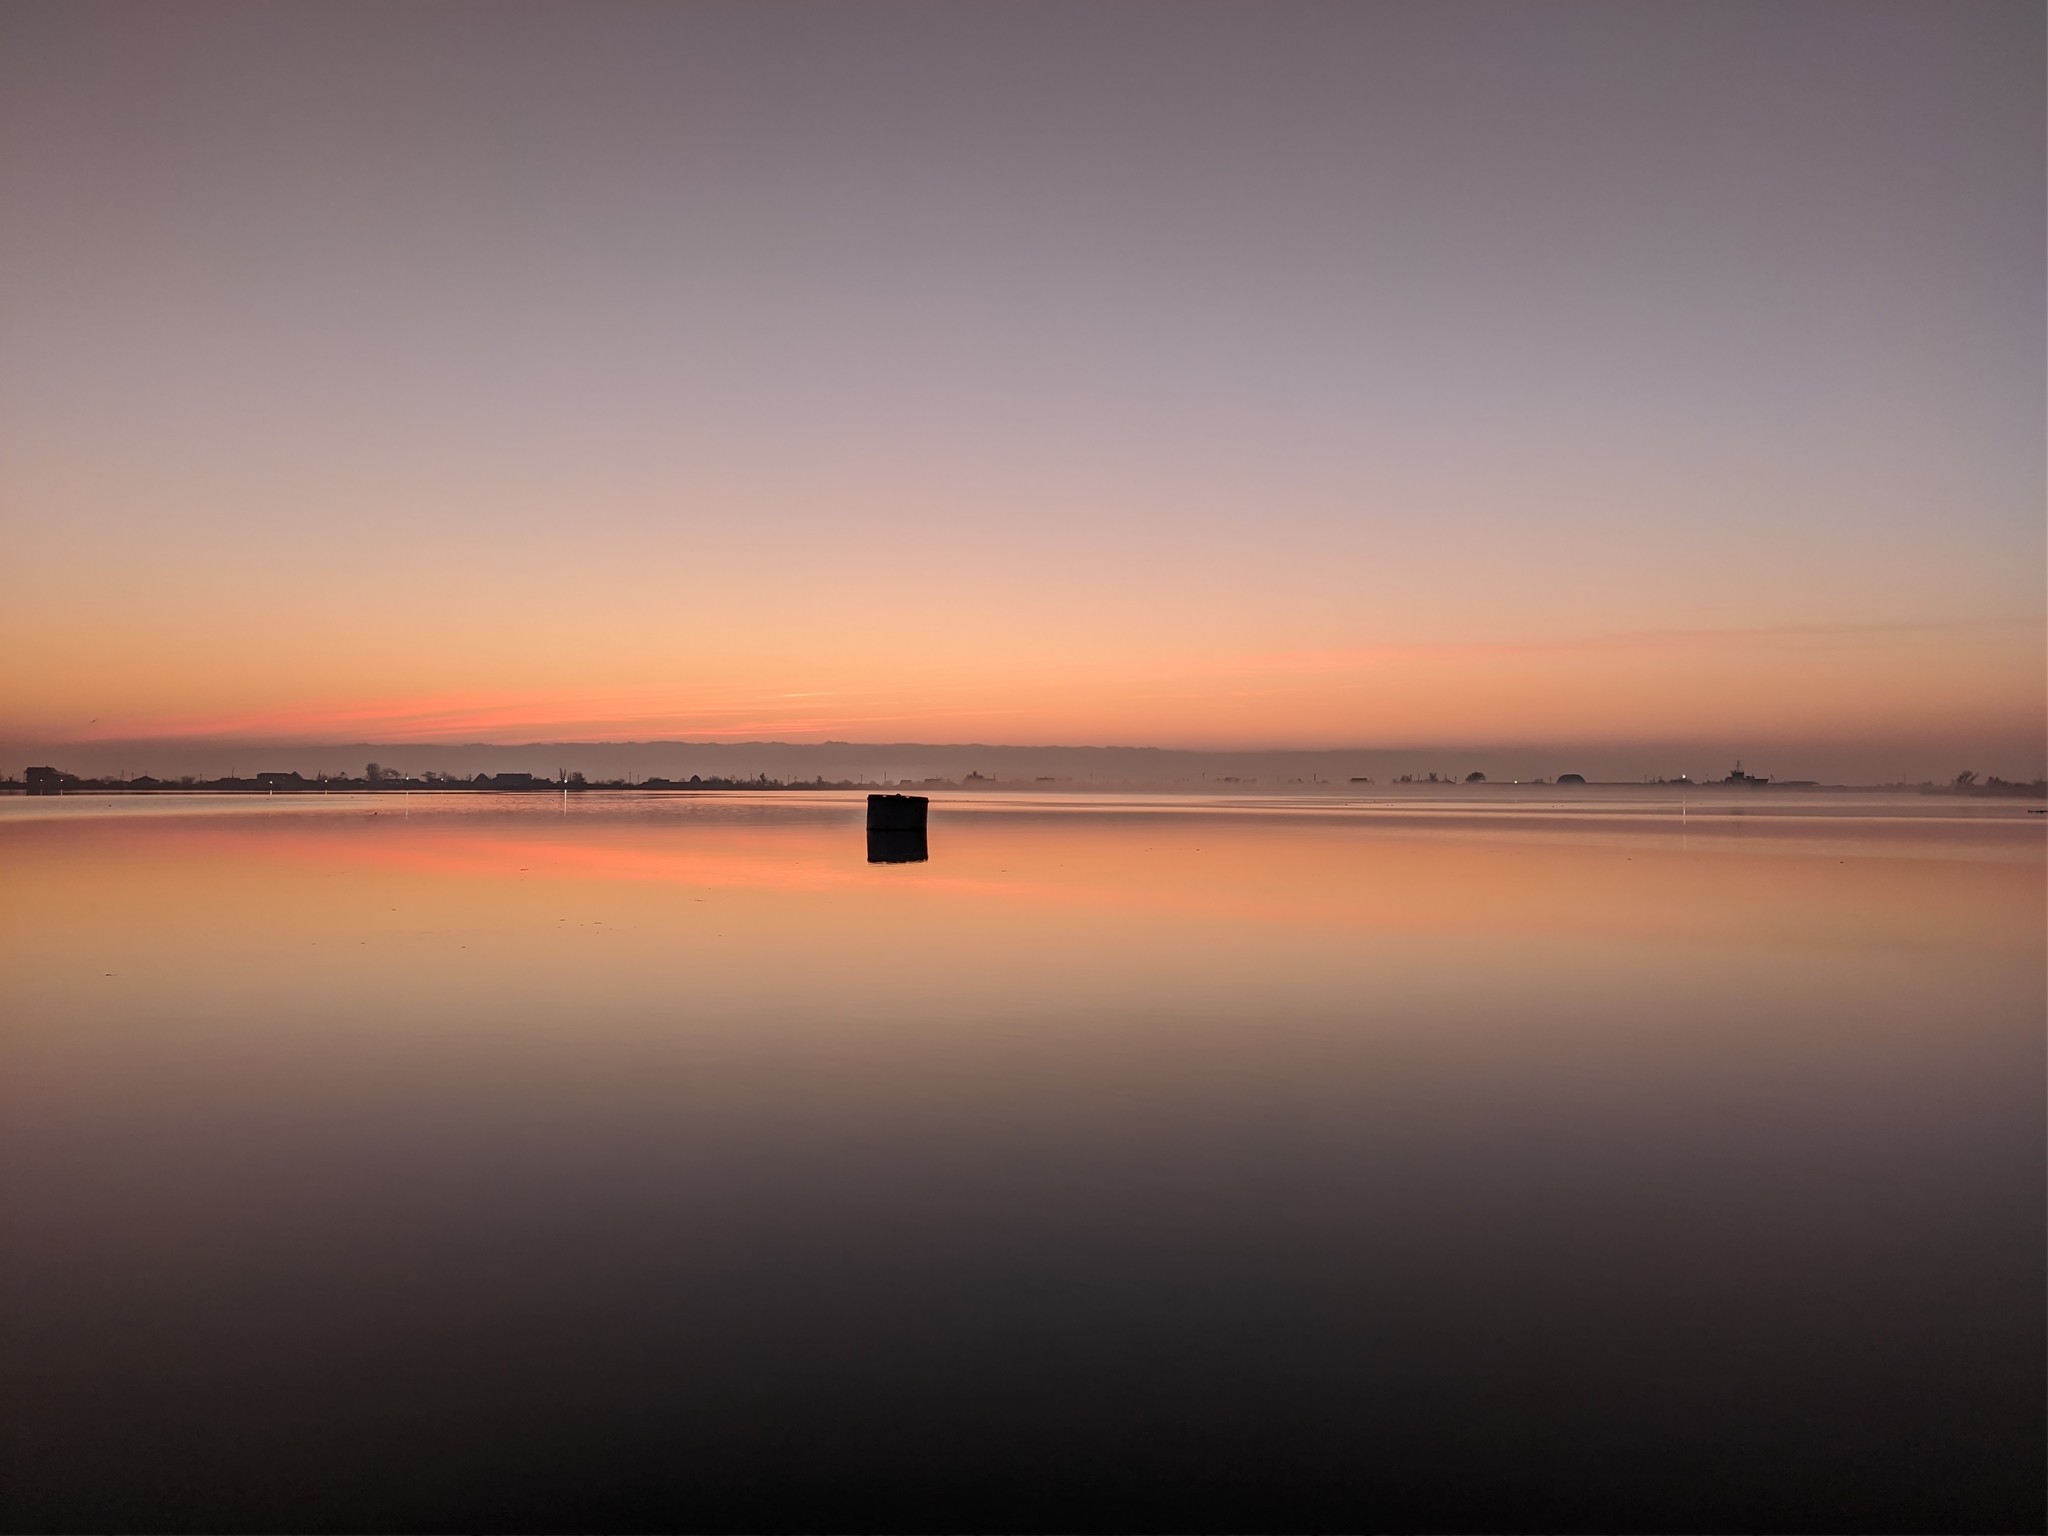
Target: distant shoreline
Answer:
[[268, 786]]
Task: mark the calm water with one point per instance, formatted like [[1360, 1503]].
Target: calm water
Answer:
[[1130, 1163]]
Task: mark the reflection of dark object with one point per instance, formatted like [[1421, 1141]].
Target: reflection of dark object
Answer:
[[896, 829], [897, 845], [1571, 778], [897, 813]]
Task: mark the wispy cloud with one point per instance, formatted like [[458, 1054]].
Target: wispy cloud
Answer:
[[1804, 636]]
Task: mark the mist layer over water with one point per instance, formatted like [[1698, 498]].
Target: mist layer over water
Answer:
[[662, 1162]]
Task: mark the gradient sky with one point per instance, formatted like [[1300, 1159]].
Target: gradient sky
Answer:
[[1193, 374]]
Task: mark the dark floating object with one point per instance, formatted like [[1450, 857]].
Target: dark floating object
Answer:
[[897, 813], [1571, 778], [896, 829]]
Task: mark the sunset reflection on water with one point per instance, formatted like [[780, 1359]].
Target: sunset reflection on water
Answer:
[[475, 1160]]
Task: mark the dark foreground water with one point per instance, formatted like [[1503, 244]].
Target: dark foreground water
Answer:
[[666, 1164]]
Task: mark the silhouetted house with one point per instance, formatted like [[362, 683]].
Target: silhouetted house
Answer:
[[49, 781], [281, 781], [506, 781]]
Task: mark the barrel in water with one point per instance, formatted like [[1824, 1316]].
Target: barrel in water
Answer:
[[897, 813], [896, 829]]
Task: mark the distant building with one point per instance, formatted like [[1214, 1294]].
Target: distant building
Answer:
[[49, 781], [281, 781], [1739, 777]]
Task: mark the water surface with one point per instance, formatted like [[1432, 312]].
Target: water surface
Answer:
[[1531, 1161]]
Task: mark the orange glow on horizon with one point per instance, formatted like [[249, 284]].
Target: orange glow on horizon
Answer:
[[1844, 682]]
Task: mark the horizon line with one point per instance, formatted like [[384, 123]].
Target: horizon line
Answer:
[[1585, 743]]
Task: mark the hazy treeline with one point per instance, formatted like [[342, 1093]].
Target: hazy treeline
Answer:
[[857, 763]]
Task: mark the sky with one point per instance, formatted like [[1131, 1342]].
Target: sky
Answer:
[[1194, 375]]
